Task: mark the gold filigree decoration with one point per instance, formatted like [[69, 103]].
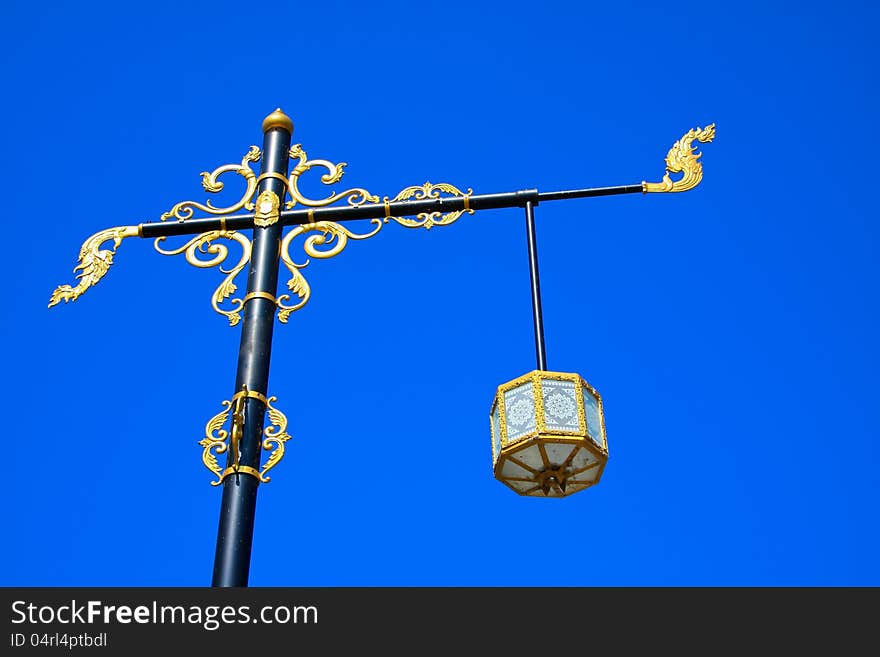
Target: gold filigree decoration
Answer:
[[210, 181], [354, 197], [324, 232], [268, 205], [276, 435], [682, 158], [204, 244], [426, 192], [94, 262], [217, 440], [214, 442], [334, 238]]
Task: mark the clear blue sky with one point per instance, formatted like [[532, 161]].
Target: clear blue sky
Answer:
[[731, 330]]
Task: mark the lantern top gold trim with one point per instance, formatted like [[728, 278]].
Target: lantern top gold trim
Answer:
[[535, 375]]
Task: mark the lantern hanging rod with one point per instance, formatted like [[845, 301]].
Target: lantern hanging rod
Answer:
[[382, 210]]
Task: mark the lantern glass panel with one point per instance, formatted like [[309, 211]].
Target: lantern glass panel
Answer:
[[530, 456], [496, 430], [511, 469], [560, 405], [582, 459], [557, 453], [587, 476], [591, 410], [521, 485], [519, 411]]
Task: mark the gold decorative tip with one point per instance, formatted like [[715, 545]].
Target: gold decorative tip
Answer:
[[683, 158], [94, 262], [278, 119]]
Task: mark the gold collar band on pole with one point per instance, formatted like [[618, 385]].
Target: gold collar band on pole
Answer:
[[253, 394], [272, 174], [241, 469], [258, 295]]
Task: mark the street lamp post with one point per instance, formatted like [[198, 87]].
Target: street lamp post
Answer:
[[548, 435], [235, 535]]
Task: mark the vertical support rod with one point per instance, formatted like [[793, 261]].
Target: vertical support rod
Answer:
[[536, 287], [236, 531]]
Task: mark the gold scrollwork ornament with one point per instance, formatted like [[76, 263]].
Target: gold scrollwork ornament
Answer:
[[424, 192], [354, 197], [204, 243], [217, 440], [324, 232], [682, 158], [330, 233], [275, 437], [214, 442], [210, 181]]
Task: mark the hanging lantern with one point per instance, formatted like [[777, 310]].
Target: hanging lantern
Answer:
[[548, 434]]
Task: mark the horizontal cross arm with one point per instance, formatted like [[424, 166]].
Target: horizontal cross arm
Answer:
[[382, 210]]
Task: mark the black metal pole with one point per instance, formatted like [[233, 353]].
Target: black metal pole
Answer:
[[236, 530], [536, 287]]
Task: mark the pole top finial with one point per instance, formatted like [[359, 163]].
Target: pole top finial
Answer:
[[277, 119]]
